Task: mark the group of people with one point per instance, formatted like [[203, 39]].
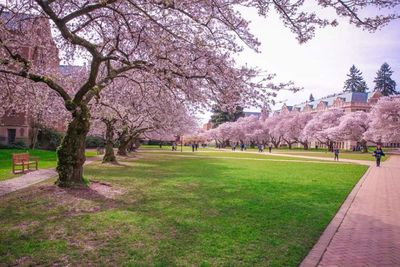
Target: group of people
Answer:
[[195, 146], [241, 145], [378, 154]]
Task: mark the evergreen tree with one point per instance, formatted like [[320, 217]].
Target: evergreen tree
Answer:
[[355, 82], [220, 116], [384, 82], [311, 99]]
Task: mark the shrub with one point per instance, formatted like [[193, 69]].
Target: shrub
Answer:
[[93, 141], [17, 145], [49, 139]]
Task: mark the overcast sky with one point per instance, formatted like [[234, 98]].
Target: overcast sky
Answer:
[[321, 65]]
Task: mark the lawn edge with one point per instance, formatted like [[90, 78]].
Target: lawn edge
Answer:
[[315, 255]]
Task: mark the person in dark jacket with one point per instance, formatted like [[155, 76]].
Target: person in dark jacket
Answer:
[[336, 151], [378, 154]]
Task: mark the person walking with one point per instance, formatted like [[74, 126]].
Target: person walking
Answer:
[[193, 146], [336, 152], [378, 154]]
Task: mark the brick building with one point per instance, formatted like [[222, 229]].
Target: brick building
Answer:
[[34, 42], [348, 102]]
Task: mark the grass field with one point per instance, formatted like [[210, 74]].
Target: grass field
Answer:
[[48, 159], [164, 210]]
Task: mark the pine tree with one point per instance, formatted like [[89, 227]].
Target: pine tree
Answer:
[[220, 116], [384, 82], [311, 99], [355, 82]]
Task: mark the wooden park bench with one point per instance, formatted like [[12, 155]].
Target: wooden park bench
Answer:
[[24, 161]]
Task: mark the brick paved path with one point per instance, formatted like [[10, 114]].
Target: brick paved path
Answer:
[[31, 178], [366, 230]]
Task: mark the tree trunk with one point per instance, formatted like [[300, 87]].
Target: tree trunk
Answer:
[[364, 145], [305, 145], [123, 148], [34, 136], [124, 142], [123, 145], [71, 153], [109, 155], [134, 144], [289, 145], [330, 146]]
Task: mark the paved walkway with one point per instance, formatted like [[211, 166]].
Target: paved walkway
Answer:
[[25, 180], [357, 161], [30, 178], [366, 230]]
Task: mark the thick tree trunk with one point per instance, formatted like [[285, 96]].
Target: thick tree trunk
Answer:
[[134, 144], [109, 155], [125, 142], [289, 145], [123, 148], [71, 153], [123, 145]]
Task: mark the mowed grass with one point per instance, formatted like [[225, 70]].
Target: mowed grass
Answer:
[[226, 154], [177, 211], [48, 159]]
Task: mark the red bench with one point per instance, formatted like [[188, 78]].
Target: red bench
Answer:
[[24, 161]]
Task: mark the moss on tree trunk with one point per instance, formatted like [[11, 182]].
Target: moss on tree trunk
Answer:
[[71, 153], [109, 155], [123, 146]]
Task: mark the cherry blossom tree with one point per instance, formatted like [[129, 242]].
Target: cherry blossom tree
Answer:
[[274, 132], [295, 129], [187, 45], [320, 127], [384, 121], [284, 129], [130, 113], [352, 127]]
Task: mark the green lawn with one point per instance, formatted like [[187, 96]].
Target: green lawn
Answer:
[[221, 154], [48, 159], [165, 210]]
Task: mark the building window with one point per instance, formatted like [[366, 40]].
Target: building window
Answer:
[[11, 134]]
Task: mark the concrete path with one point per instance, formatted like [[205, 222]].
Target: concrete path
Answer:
[[356, 161], [31, 178], [25, 180], [366, 230]]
